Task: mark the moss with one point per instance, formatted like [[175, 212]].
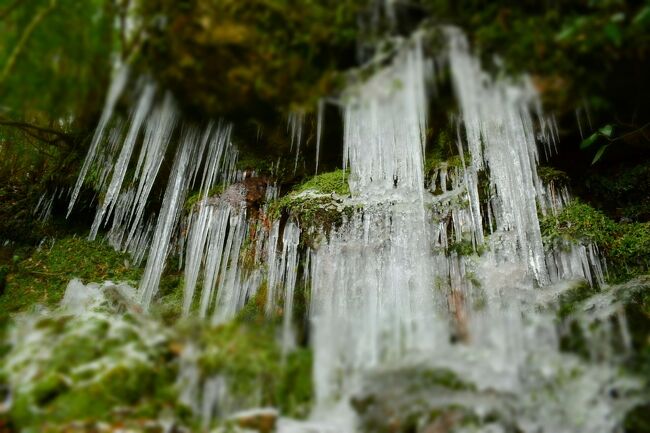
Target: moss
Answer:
[[195, 197], [333, 182], [444, 378], [578, 222], [246, 354], [465, 248], [624, 245], [43, 277], [87, 366], [295, 393], [550, 174], [570, 299], [317, 203]]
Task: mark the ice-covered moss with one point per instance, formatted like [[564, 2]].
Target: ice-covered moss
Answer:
[[84, 364]]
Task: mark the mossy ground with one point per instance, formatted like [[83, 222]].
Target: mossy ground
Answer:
[[42, 276]]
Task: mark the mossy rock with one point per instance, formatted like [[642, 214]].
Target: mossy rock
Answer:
[[317, 204], [624, 245], [84, 367], [399, 400]]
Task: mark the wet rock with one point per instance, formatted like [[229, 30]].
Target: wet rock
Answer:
[[412, 399], [261, 420]]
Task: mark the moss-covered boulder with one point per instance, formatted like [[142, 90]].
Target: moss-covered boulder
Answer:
[[318, 204], [87, 360]]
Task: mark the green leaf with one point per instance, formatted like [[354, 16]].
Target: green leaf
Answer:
[[565, 34], [589, 141], [613, 32], [617, 17], [599, 154], [606, 130], [642, 17]]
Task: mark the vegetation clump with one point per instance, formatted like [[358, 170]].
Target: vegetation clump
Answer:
[[246, 355], [316, 204], [625, 246]]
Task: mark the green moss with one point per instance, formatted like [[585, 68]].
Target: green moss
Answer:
[[570, 299], [333, 182], [465, 248], [579, 222], [84, 367], [295, 393], [43, 277], [444, 378], [195, 197], [247, 355], [550, 174], [316, 203], [624, 245]]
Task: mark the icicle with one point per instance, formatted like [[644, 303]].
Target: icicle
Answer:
[[167, 219], [319, 128], [114, 92], [290, 240], [121, 166]]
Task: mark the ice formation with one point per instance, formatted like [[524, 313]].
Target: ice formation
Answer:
[[390, 285]]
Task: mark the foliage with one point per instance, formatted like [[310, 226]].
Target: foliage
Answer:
[[333, 182], [624, 192], [272, 53], [63, 64], [624, 245]]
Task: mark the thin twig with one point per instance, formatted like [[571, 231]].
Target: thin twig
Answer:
[[611, 140]]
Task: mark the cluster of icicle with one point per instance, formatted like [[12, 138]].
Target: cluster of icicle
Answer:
[[125, 161], [386, 288], [386, 285]]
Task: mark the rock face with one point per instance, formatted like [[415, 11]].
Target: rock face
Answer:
[[250, 191]]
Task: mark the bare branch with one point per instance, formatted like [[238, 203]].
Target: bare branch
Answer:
[[46, 135]]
